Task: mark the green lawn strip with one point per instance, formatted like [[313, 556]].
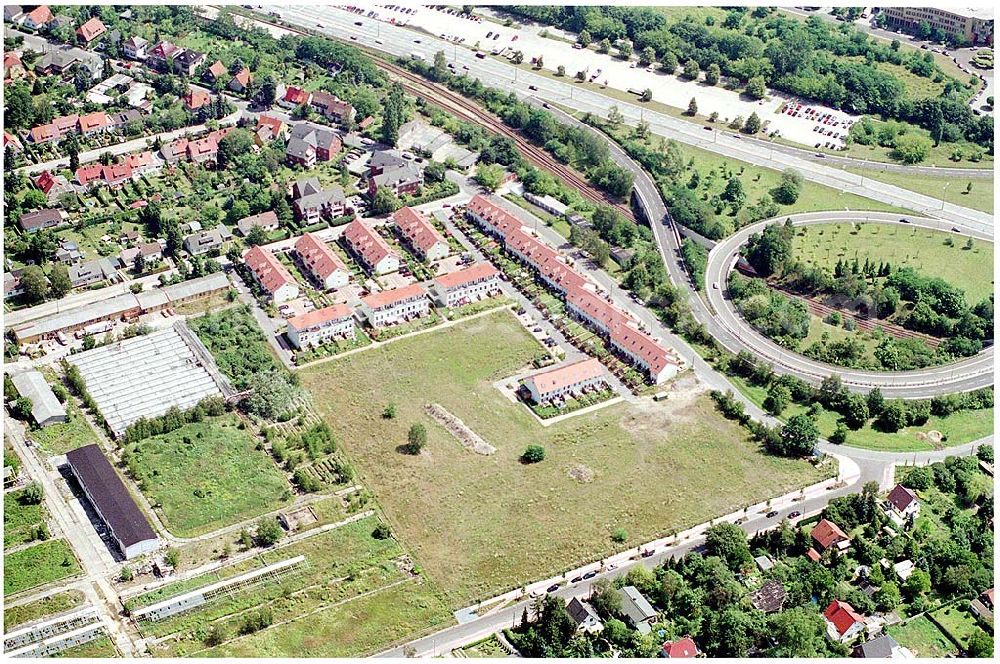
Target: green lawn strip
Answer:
[[957, 623], [922, 638], [58, 603], [958, 428], [359, 627], [488, 647], [479, 525], [102, 646], [62, 437], [950, 189], [20, 519], [37, 565], [924, 250], [206, 475]]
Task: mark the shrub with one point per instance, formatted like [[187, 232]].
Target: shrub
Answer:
[[382, 532], [619, 535], [416, 439], [533, 454]]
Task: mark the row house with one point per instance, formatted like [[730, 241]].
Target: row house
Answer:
[[55, 130], [420, 235], [468, 285], [317, 327], [309, 143], [94, 123], [90, 30], [267, 221], [331, 106], [311, 203], [205, 242], [569, 379], [320, 262], [371, 250], [396, 306], [294, 97], [272, 276], [134, 48], [115, 175], [205, 149]]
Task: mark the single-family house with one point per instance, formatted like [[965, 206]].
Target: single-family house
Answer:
[[210, 241], [267, 221], [187, 61], [38, 220], [37, 18], [195, 100], [566, 380], [53, 186], [420, 235], [882, 647], [12, 284], [294, 97], [92, 272], [982, 606], [271, 275], [13, 68], [395, 306], [331, 106], [135, 47], [149, 253], [770, 597], [90, 30], [843, 623], [215, 71], [94, 123], [321, 325], [161, 56], [901, 505], [68, 252], [240, 81], [584, 616], [12, 13], [320, 262], [637, 609], [827, 535], [369, 248], [467, 285], [268, 129], [679, 649]]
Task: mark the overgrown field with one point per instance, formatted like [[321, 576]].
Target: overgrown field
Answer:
[[481, 524], [39, 564]]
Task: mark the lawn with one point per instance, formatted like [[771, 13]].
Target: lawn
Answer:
[[20, 519], [102, 646], [62, 437], [952, 190], [958, 428], [487, 648], [206, 475], [39, 564], [922, 637], [479, 524], [958, 623], [18, 615], [924, 250]]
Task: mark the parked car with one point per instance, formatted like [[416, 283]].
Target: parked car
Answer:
[[772, 514]]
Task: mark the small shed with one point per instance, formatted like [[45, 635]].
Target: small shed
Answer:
[[45, 407]]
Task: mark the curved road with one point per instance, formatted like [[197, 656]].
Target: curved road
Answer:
[[968, 374]]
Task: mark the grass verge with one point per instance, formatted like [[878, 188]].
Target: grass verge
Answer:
[[37, 565]]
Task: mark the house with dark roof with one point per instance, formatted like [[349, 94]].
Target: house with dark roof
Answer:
[[310, 143], [208, 241], [901, 505], [311, 204], [45, 407], [331, 106], [41, 219], [268, 221], [584, 616], [93, 272], [112, 501], [405, 179], [187, 61], [770, 597], [637, 609], [882, 647]]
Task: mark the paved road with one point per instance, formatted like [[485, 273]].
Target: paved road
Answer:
[[970, 373], [402, 42]]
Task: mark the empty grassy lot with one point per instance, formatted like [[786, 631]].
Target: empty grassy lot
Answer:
[[902, 246], [481, 524], [957, 623], [18, 615], [206, 475], [39, 564], [922, 637], [102, 646], [20, 519], [944, 188], [62, 437]]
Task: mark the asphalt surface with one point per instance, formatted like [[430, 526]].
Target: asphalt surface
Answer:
[[401, 41]]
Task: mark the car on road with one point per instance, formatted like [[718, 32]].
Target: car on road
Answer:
[[577, 579], [554, 587], [590, 575], [533, 87], [772, 514], [537, 329], [610, 567], [904, 221], [715, 285], [954, 229], [794, 515]]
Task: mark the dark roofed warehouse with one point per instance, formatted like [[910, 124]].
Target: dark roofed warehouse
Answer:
[[112, 501]]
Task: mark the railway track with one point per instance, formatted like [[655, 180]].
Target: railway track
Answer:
[[866, 324]]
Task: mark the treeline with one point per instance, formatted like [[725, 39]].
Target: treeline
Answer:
[[832, 64], [173, 419]]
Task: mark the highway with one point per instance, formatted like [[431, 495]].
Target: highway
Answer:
[[399, 41]]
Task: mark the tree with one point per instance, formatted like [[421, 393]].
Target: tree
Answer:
[[172, 557], [382, 531], [489, 176], [518, 57], [384, 201], [893, 417], [34, 284], [389, 412], [788, 190], [435, 171], [712, 74], [19, 106], [533, 454], [256, 236], [416, 439], [561, 70], [624, 49], [604, 46], [778, 397], [729, 542], [918, 583], [647, 95], [440, 71], [268, 532], [233, 145], [268, 91], [911, 148], [752, 125], [59, 281], [584, 38], [393, 115], [691, 70], [756, 88], [32, 494], [855, 411], [980, 645], [668, 62], [647, 56], [839, 435], [692, 109], [605, 599], [799, 436]]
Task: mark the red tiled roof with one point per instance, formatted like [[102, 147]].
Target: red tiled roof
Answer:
[[330, 103], [827, 533], [195, 99], [43, 133], [320, 316], [318, 256], [681, 648], [67, 123], [366, 241], [92, 29], [813, 555], [391, 297], [164, 50], [93, 121], [271, 274], [243, 77], [88, 173], [217, 69], [116, 172], [842, 615], [567, 374], [274, 123], [140, 159], [900, 497], [472, 274], [45, 182], [297, 96], [417, 229], [40, 15], [11, 139], [10, 59]]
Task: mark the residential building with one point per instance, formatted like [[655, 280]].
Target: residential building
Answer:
[[294, 97], [395, 306], [827, 535], [12, 284], [91, 30], [272, 276], [770, 597], [38, 220], [420, 235], [982, 606], [975, 25], [161, 56], [584, 616], [405, 179], [269, 128], [331, 106], [94, 123], [203, 150], [310, 143], [92, 272], [150, 253], [901, 505], [267, 221], [240, 81], [882, 647], [68, 252], [569, 379], [384, 159], [53, 186], [12, 66], [187, 61], [215, 71], [370, 249], [195, 100], [37, 18], [13, 142], [45, 407], [301, 153], [637, 609], [58, 61], [679, 649], [468, 285], [317, 327], [843, 623], [311, 204], [321, 262], [113, 503], [12, 13], [135, 47], [210, 241]]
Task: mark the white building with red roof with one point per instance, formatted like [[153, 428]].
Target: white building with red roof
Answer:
[[395, 306], [321, 262], [843, 623], [294, 97], [319, 326], [38, 17], [679, 649], [370, 249], [420, 235], [902, 504], [91, 30], [272, 276], [568, 379], [467, 285]]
